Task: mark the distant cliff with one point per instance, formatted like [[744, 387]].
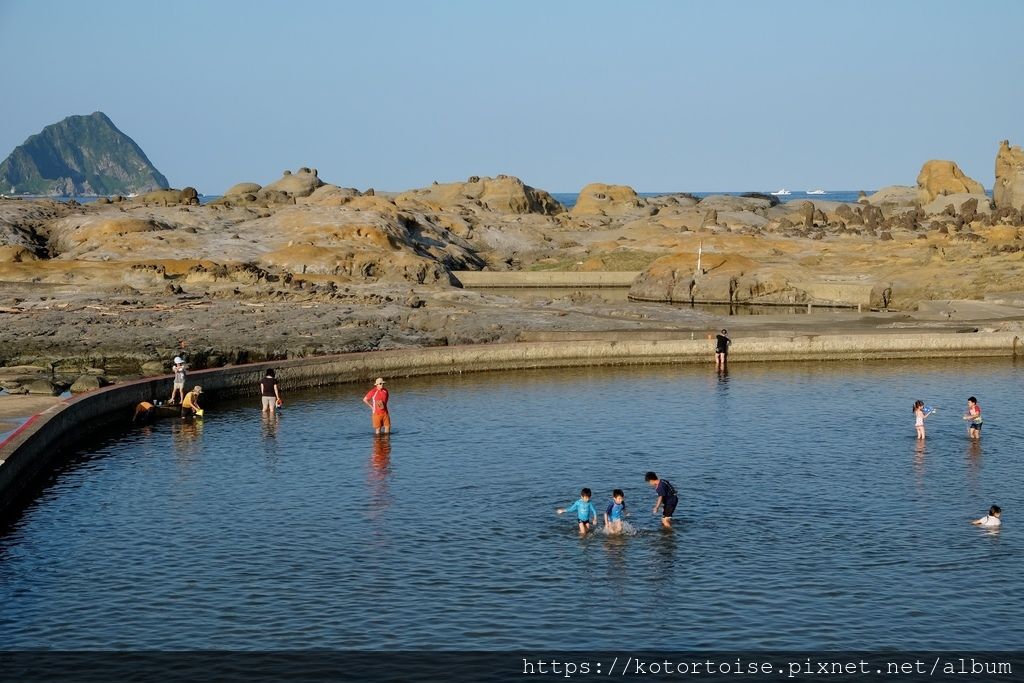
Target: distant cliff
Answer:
[[81, 155]]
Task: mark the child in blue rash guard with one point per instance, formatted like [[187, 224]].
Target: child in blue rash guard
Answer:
[[586, 515], [614, 513]]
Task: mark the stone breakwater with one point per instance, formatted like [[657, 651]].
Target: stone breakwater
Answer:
[[31, 451]]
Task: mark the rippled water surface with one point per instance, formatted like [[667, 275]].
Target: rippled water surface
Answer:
[[809, 518]]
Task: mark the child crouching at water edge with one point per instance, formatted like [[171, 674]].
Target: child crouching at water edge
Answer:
[[586, 515]]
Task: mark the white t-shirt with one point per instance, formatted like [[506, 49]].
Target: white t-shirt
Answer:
[[989, 520]]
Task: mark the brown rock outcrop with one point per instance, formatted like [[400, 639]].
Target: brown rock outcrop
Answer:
[[15, 253], [503, 194], [977, 203], [939, 177], [598, 199], [724, 277], [1008, 191], [242, 188], [302, 183], [329, 195], [167, 197], [895, 194]]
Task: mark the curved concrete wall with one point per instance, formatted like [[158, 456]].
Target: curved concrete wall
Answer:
[[32, 450], [545, 278]]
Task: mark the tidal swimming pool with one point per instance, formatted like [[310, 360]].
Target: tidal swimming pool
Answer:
[[809, 517]]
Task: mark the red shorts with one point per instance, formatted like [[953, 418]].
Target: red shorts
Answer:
[[381, 420]]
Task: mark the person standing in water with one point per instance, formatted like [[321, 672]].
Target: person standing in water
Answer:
[[722, 342], [614, 513], [377, 399], [269, 392], [920, 413], [667, 498], [973, 416], [586, 515]]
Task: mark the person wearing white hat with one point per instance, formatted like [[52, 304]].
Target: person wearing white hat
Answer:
[[377, 399], [179, 381]]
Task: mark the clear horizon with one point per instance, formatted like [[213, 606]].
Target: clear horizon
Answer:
[[661, 96]]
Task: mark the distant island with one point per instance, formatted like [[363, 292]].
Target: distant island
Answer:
[[79, 156]]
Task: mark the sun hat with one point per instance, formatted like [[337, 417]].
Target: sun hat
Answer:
[[379, 380], [178, 360]]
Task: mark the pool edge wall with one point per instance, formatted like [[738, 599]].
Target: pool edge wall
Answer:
[[30, 453]]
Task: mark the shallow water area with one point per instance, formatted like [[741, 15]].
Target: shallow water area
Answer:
[[810, 517]]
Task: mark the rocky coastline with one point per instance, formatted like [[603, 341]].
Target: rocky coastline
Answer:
[[299, 267]]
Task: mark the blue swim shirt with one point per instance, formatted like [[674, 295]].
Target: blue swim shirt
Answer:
[[615, 511], [584, 510]]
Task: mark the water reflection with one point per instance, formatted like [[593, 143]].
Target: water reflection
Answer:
[[919, 462], [268, 430], [761, 309], [615, 546], [378, 474], [972, 457], [665, 550], [186, 437], [269, 424]]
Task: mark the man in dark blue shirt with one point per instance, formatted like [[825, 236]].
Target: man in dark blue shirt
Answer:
[[667, 498]]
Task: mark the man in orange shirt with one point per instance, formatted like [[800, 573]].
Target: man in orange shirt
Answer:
[[377, 399]]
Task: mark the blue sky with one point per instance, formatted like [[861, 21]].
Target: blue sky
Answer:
[[659, 95]]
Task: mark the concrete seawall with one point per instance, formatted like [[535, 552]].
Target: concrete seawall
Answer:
[[545, 278], [31, 452]]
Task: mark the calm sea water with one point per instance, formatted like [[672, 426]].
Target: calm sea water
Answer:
[[809, 518], [568, 199]]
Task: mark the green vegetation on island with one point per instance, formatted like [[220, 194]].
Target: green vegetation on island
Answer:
[[81, 155]]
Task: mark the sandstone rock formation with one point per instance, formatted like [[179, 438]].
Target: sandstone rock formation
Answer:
[[1008, 191], [895, 194], [939, 177], [607, 200], [503, 194], [243, 188], [302, 183], [338, 269], [167, 197], [979, 203]]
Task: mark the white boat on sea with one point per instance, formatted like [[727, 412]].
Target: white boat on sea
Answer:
[[781, 193], [819, 191]]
